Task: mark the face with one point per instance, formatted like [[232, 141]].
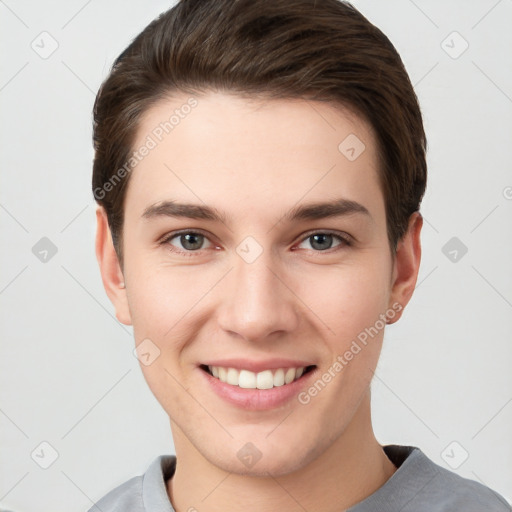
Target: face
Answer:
[[256, 260]]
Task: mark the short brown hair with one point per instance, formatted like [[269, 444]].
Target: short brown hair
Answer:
[[322, 50]]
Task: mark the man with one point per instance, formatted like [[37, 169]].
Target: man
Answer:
[[259, 168]]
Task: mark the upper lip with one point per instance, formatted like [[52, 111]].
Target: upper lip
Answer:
[[258, 366]]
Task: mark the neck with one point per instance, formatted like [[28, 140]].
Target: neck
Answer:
[[351, 469]]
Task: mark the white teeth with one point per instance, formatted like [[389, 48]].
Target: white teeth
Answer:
[[279, 377], [247, 379], [266, 379], [232, 377], [289, 376]]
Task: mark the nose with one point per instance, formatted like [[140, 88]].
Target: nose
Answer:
[[256, 302]]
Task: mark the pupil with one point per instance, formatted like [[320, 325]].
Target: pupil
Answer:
[[318, 240], [191, 241]]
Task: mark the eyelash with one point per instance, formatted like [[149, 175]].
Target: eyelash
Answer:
[[344, 239]]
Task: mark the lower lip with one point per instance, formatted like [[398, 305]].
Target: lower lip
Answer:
[[257, 399]]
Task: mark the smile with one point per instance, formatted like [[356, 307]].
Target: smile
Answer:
[[266, 379]]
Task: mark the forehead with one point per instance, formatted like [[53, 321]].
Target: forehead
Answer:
[[232, 152]]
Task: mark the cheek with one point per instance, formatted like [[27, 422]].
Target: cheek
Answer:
[[349, 298], [160, 298], [169, 306], [161, 303]]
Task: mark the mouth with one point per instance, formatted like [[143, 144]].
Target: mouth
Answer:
[[265, 379]]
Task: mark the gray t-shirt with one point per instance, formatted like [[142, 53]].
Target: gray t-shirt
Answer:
[[418, 485]]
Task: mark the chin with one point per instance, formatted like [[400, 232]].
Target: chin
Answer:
[[263, 459]]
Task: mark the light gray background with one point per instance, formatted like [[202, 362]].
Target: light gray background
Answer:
[[69, 377]]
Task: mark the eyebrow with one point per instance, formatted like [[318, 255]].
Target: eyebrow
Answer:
[[313, 211]]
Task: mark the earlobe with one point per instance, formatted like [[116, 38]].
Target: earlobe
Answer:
[[406, 266], [110, 269]]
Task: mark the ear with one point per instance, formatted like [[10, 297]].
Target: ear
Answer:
[[111, 273], [406, 266]]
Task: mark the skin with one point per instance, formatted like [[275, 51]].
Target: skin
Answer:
[[255, 161]]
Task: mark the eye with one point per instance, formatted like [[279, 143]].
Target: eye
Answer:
[[324, 241], [193, 242], [187, 241]]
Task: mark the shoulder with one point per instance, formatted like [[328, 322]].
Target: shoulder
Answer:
[[142, 493], [453, 491], [421, 485], [127, 496]]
